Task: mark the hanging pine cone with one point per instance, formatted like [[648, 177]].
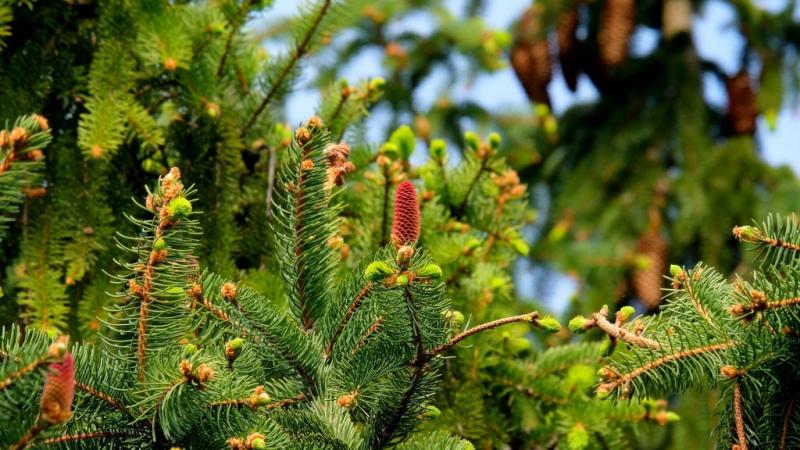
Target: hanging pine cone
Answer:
[[568, 47], [742, 105], [647, 281], [530, 56], [616, 27]]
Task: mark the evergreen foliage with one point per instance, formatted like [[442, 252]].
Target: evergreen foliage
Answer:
[[200, 362], [735, 335]]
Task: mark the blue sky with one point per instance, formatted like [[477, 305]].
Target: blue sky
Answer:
[[715, 36]]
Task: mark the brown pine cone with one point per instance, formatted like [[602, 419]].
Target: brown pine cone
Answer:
[[616, 27], [647, 282], [568, 51], [530, 56], [742, 105]]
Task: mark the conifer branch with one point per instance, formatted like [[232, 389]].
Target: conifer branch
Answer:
[[656, 363], [346, 319], [370, 331], [761, 304], [91, 390], [599, 320], [235, 24], [23, 371], [30, 435], [739, 416], [460, 209], [754, 235], [417, 372], [530, 317], [298, 53], [299, 208], [84, 436], [785, 429]]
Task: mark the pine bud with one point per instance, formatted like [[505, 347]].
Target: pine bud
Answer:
[[625, 313], [455, 316], [390, 150], [577, 324], [263, 399], [228, 291], [376, 84], [549, 324], [42, 121], [189, 349], [212, 109], [377, 270], [432, 412], [258, 444], [405, 140], [438, 149], [233, 348], [520, 246], [347, 401], [170, 65], [58, 348], [159, 244], [179, 208], [472, 140], [430, 271], [577, 437], [747, 233], [675, 270], [404, 254], [603, 392], [402, 280], [495, 140], [58, 391], [406, 220]]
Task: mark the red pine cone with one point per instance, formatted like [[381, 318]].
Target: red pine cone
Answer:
[[568, 50], [616, 27], [405, 223], [59, 389]]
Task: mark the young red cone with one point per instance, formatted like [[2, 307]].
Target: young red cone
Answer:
[[405, 224], [59, 389]]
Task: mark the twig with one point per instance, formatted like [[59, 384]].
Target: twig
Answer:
[[299, 51], [739, 416], [530, 317]]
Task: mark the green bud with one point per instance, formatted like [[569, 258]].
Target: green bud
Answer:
[[235, 344], [672, 416], [376, 83], [258, 444], [189, 349], [391, 150], [438, 149], [402, 280], [577, 437], [576, 324], [430, 271], [454, 316], [432, 412], [626, 312], [675, 270], [263, 399], [549, 324], [521, 247], [472, 140], [377, 270], [405, 141], [602, 394], [179, 207], [747, 233], [466, 445], [159, 244], [495, 140], [473, 243]]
